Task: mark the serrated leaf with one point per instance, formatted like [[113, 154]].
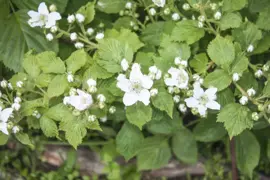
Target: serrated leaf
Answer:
[[254, 6], [232, 5], [225, 97], [30, 65], [187, 31], [208, 130], [247, 150], [164, 102], [112, 6], [129, 140], [88, 11], [76, 60], [252, 82], [50, 63], [221, 51], [219, 79], [3, 138], [145, 60], [230, 20], [112, 52], [123, 22], [184, 146], [95, 71], [139, 114], [17, 37], [43, 80], [58, 86], [199, 63], [263, 22], [48, 126], [59, 112], [263, 45], [154, 153], [236, 118], [24, 139], [29, 106], [240, 64], [266, 89]]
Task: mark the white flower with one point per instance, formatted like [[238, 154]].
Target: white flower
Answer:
[[200, 24], [17, 100], [52, 8], [179, 78], [104, 119], [217, 15], [203, 100], [73, 36], [153, 92], [99, 36], [80, 18], [251, 92], [175, 16], [66, 100], [201, 18], [265, 67], [101, 98], [176, 98], [4, 116], [235, 77], [186, 6], [19, 84], [159, 3], [128, 5], [43, 18], [255, 116], [153, 69], [154, 73], [197, 79], [152, 11], [70, 77], [15, 129], [250, 48], [182, 108], [91, 82], [82, 101], [54, 29], [136, 88], [158, 75], [112, 109], [36, 114], [16, 106], [259, 73], [124, 64], [243, 100], [4, 84], [49, 36], [71, 19], [92, 118], [90, 31], [79, 45]]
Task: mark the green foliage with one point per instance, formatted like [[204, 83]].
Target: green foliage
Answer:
[[113, 6], [219, 79], [76, 60], [199, 63], [24, 139], [3, 139], [164, 102], [230, 20], [88, 11], [57, 86], [48, 126]]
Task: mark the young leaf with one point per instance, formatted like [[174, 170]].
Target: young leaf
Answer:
[[30, 65], [240, 64], [112, 6], [263, 21], [50, 63], [154, 153], [3, 138], [164, 102], [232, 5], [129, 140], [58, 86], [247, 152], [236, 118], [48, 126], [24, 139], [139, 114], [266, 89], [225, 97], [184, 146], [230, 20], [199, 63], [219, 79], [76, 60], [221, 51], [88, 11], [187, 31]]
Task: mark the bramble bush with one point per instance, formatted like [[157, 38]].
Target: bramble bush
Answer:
[[160, 77]]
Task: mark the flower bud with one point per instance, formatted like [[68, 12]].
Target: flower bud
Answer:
[[176, 98], [265, 67], [53, 8], [121, 13], [153, 92], [217, 15], [72, 92], [101, 98], [73, 36], [99, 36], [90, 31], [75, 112], [251, 92], [167, 11], [124, 65], [243, 100], [91, 82], [201, 18], [71, 19], [213, 6], [49, 36], [16, 106], [15, 129], [152, 11], [235, 77], [171, 90], [92, 89], [189, 93], [128, 5], [200, 24], [259, 73], [250, 48], [186, 6], [19, 84], [92, 118], [255, 116], [54, 29], [4, 83], [10, 86], [101, 105], [80, 18], [175, 17], [70, 77], [79, 45], [18, 100], [176, 90], [112, 109], [104, 119], [182, 108], [260, 107]]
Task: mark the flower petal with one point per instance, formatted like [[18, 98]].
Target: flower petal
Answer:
[[5, 114], [213, 105], [123, 83], [144, 97], [130, 98], [174, 72], [211, 93], [3, 128], [34, 15], [42, 9], [170, 82], [192, 102], [54, 15], [202, 110], [147, 82], [136, 74], [198, 91]]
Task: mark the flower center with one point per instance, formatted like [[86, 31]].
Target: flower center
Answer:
[[204, 100], [136, 86], [43, 17]]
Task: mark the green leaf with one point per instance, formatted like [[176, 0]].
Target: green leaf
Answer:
[[230, 20], [219, 79], [247, 152], [263, 45], [30, 65], [252, 82], [49, 63], [154, 153], [268, 149], [145, 60], [17, 37], [221, 51], [225, 97], [129, 140], [48, 126], [240, 64], [184, 146], [247, 34], [3, 138], [58, 86], [88, 11], [95, 71], [24, 139], [123, 22], [208, 130], [43, 80], [263, 22], [199, 63], [236, 118], [187, 31], [76, 60], [112, 52], [139, 114], [29, 106], [266, 89], [164, 102], [232, 5], [112, 6], [254, 6], [59, 112]]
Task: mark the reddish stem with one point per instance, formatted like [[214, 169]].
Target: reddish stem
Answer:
[[233, 158]]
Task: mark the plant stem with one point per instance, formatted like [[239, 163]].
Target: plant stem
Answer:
[[94, 143], [233, 159], [245, 93]]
